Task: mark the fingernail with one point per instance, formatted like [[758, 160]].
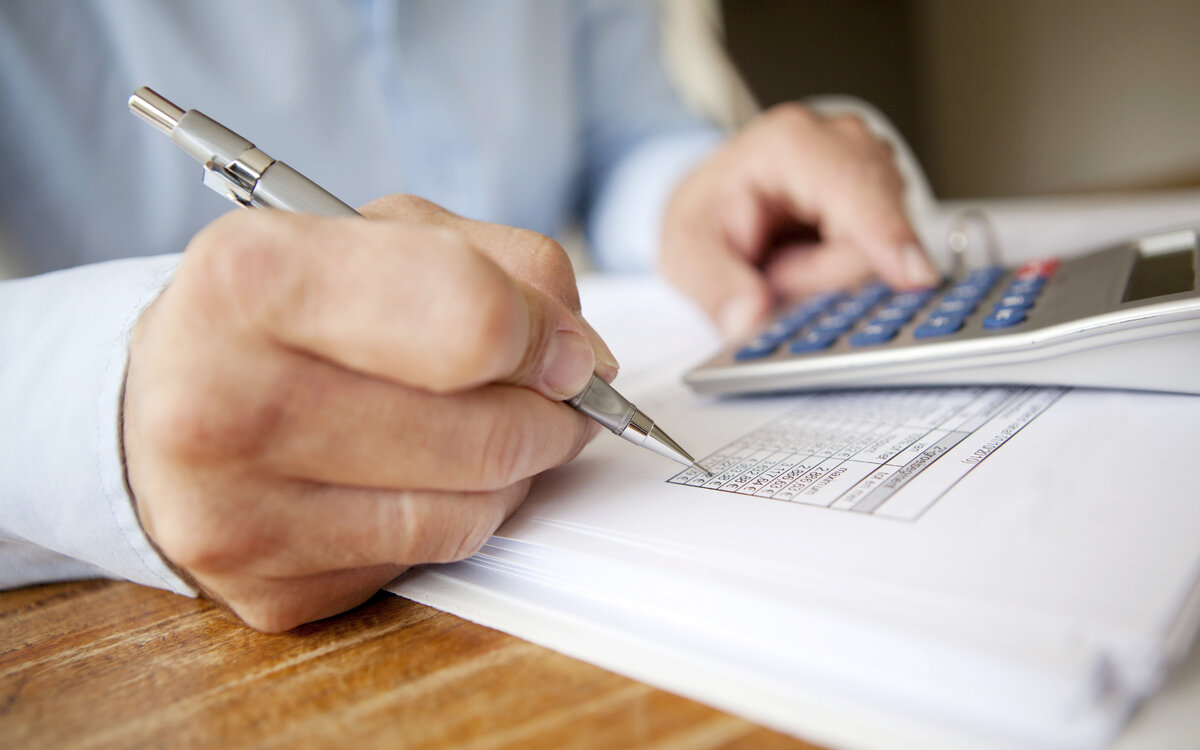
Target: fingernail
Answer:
[[738, 316], [606, 364], [917, 269], [569, 364]]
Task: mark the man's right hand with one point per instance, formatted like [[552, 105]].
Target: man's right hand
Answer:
[[315, 404]]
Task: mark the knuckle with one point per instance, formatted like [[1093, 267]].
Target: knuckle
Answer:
[[535, 259], [470, 537], [502, 455], [409, 207], [852, 126], [420, 533], [791, 116], [546, 254], [556, 276], [189, 420], [878, 172], [241, 271], [201, 541], [401, 528]]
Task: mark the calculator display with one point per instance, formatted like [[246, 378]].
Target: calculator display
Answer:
[[1159, 274]]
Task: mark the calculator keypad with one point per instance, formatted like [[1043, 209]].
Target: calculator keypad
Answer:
[[874, 314]]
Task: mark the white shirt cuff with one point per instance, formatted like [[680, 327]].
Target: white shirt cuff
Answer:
[[67, 338], [625, 230]]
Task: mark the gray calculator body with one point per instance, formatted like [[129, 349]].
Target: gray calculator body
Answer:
[[1127, 316]]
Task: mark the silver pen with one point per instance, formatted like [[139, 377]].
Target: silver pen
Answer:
[[234, 168]]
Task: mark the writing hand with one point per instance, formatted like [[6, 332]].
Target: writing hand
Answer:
[[315, 404]]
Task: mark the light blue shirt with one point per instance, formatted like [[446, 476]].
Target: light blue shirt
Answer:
[[534, 113]]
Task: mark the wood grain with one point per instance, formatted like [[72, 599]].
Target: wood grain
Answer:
[[103, 664]]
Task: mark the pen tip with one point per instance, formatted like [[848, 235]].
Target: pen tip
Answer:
[[659, 442]]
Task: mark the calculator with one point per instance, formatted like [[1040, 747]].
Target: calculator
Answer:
[[1124, 316]]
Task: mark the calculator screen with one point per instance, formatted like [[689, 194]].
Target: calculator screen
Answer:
[[1157, 274]]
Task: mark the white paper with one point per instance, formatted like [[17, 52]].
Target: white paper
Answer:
[[1027, 587]]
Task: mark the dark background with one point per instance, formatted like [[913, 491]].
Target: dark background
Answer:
[[997, 97]]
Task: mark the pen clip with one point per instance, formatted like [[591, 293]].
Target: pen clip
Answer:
[[221, 181], [237, 180]]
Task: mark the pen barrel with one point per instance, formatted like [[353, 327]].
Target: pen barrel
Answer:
[[601, 402], [282, 187], [206, 140], [264, 181]]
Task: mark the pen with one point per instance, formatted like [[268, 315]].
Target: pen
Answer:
[[234, 168]]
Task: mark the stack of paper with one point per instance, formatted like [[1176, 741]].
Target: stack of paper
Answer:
[[983, 567]]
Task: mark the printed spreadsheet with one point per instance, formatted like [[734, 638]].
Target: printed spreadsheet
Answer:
[[856, 450]]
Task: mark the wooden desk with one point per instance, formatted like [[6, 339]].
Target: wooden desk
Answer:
[[98, 664]]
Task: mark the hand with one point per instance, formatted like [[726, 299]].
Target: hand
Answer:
[[793, 204], [315, 404]]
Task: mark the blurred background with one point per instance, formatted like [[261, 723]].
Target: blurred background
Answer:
[[996, 97]]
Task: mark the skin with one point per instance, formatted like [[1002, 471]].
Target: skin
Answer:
[[299, 429], [315, 404], [794, 203]]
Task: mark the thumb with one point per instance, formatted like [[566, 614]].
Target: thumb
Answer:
[[559, 352]]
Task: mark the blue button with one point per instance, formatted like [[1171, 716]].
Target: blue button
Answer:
[[1004, 317], [853, 308], [756, 349], [967, 291], [873, 333], [911, 300], [808, 310], [955, 307], [1023, 301], [823, 301], [985, 276], [797, 318], [893, 314], [874, 293], [1026, 286], [783, 328], [938, 325], [835, 324], [813, 341]]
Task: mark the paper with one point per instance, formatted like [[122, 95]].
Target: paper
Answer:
[[1026, 587], [854, 451]]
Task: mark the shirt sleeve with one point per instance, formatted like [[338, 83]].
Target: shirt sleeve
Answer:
[[640, 137], [67, 512]]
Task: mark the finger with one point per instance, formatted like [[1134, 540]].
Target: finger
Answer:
[[834, 171], [698, 257], [726, 285], [297, 529], [343, 428], [525, 255], [879, 229], [411, 303], [275, 605], [799, 271]]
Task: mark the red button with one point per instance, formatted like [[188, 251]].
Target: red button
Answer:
[[1043, 268]]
